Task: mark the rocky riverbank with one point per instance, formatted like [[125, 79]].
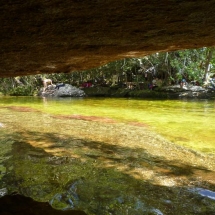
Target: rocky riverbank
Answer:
[[169, 92]]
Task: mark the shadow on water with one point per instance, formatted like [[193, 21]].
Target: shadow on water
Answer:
[[20, 205], [101, 179]]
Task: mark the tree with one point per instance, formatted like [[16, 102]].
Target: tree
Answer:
[[209, 55]]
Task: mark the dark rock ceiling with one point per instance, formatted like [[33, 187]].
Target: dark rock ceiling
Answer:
[[52, 36]]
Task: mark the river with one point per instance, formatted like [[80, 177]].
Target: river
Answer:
[[108, 155]]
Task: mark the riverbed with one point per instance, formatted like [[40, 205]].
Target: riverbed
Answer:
[[109, 156]]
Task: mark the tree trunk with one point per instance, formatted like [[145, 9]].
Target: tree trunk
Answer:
[[209, 56]]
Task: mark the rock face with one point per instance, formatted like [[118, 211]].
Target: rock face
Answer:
[[54, 36]]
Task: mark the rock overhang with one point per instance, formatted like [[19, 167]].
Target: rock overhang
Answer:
[[61, 36]]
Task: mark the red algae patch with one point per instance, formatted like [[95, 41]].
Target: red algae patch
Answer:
[[87, 118], [22, 109]]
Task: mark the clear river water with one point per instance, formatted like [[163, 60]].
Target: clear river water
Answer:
[[109, 155]]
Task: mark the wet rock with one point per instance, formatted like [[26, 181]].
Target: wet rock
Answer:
[[68, 91], [204, 192], [68, 199], [65, 90]]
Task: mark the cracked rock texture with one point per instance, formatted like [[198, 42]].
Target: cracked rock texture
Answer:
[[53, 36]]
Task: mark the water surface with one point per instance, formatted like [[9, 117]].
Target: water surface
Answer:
[[108, 156], [186, 122]]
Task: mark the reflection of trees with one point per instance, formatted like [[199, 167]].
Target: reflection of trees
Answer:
[[107, 178]]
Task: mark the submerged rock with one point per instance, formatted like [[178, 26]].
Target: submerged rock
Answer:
[[204, 192]]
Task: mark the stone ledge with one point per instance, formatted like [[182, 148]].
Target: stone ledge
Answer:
[[63, 36]]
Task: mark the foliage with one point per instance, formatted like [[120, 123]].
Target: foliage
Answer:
[[21, 91], [18, 86], [171, 67]]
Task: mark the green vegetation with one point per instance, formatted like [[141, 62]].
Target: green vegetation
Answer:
[[194, 65], [19, 86]]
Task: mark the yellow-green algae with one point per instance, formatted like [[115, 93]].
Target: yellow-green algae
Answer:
[[187, 123], [114, 167]]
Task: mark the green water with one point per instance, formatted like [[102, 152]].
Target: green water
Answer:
[[187, 123], [108, 156]]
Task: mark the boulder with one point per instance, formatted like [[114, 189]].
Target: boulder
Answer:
[[63, 90]]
